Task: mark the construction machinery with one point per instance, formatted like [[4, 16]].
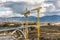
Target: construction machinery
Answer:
[[26, 21], [38, 20]]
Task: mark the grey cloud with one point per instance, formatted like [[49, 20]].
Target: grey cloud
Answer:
[[50, 8], [17, 7], [52, 13], [54, 2]]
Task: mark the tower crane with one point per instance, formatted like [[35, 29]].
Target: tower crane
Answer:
[[38, 20], [26, 21]]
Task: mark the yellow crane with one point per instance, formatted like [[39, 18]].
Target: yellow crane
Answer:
[[38, 20]]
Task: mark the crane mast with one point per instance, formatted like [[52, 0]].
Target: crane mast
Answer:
[[38, 21], [26, 25]]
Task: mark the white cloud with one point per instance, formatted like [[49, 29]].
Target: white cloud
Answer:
[[58, 3], [30, 1], [51, 7], [17, 15], [41, 15], [35, 14], [5, 13]]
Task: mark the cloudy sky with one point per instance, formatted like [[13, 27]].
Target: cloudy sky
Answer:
[[14, 8]]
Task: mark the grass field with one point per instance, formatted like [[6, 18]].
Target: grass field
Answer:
[[50, 32]]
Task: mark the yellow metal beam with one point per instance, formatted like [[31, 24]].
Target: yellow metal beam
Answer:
[[38, 26]]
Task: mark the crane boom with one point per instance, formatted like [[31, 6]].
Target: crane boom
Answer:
[[37, 9]]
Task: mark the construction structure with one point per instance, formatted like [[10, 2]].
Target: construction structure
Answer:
[[38, 21], [26, 24]]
